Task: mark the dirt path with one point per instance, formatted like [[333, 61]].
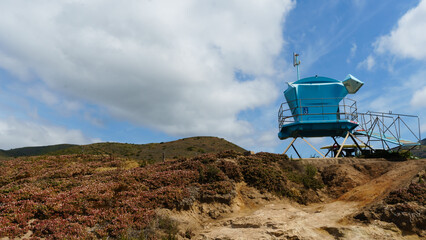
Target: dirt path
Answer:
[[281, 219]]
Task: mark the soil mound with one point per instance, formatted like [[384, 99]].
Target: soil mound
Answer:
[[366, 189]]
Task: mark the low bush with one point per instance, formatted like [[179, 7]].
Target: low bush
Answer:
[[231, 170], [97, 196], [389, 155], [414, 192], [263, 177]]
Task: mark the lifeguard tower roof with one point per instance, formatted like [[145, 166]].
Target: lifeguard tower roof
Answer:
[[317, 107]]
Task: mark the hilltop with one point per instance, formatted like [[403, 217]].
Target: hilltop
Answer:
[[420, 151], [34, 151], [152, 152]]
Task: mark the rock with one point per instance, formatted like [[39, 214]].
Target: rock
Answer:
[[388, 226], [336, 232], [407, 216], [219, 198], [246, 223], [420, 177], [278, 233], [364, 216], [214, 214], [248, 153], [272, 225]]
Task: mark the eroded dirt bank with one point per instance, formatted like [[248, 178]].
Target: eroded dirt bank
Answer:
[[353, 188]]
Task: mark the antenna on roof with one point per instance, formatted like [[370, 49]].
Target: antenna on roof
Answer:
[[296, 63]]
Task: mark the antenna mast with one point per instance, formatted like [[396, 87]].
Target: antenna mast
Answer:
[[296, 63]]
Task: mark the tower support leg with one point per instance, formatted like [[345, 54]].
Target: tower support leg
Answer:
[[372, 149], [296, 151], [314, 148], [291, 144], [356, 143], [329, 150], [343, 144]]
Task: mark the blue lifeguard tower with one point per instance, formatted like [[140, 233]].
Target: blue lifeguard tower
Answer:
[[318, 107]]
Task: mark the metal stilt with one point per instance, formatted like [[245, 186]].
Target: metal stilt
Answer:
[[313, 147], [329, 150], [291, 144], [296, 151], [343, 144], [356, 143], [363, 142]]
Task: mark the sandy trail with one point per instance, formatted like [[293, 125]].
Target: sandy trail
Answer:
[[281, 219]]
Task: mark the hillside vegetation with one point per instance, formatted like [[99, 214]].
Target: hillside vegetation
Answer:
[[420, 151], [88, 196], [117, 191], [152, 152], [34, 151]]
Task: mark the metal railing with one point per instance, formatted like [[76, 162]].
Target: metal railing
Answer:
[[398, 127], [320, 110]]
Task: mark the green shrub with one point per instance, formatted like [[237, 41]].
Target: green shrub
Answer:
[[210, 174], [169, 226], [263, 176], [402, 155], [307, 177], [190, 148], [309, 180], [200, 150]]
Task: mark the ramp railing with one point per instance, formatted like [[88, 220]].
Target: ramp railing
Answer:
[[398, 129]]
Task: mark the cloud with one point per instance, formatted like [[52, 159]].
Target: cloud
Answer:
[[43, 95], [352, 52], [423, 128], [368, 63], [317, 140], [265, 140], [359, 3], [14, 66], [409, 36], [15, 133], [169, 65], [419, 98], [406, 41], [395, 96]]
